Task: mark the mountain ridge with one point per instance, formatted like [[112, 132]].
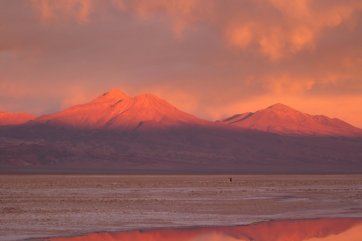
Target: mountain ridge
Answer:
[[282, 119], [116, 110], [117, 133]]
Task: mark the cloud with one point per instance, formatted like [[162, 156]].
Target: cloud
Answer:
[[61, 9], [182, 14], [208, 57], [282, 28], [240, 36]]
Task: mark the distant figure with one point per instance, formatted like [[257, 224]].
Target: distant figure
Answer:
[[230, 179]]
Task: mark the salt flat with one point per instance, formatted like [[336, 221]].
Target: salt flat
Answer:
[[34, 206]]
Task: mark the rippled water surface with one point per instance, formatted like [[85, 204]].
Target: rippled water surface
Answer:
[[57, 205]]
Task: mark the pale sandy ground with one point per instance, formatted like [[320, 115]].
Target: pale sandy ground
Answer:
[[41, 206]]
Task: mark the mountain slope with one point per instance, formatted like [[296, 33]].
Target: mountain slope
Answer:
[[192, 149], [282, 119], [116, 110], [9, 118], [178, 142]]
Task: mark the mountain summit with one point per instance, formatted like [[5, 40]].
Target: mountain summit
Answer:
[[113, 94], [168, 140], [117, 110], [282, 119]]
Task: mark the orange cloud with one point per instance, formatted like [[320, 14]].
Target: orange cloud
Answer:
[[282, 28], [181, 13], [239, 36], [280, 84], [55, 10], [296, 27], [208, 57], [74, 95], [9, 88]]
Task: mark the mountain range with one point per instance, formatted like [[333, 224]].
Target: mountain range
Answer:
[[116, 110], [142, 134]]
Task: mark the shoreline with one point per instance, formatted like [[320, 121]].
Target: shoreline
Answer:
[[52, 206], [318, 227], [130, 172]]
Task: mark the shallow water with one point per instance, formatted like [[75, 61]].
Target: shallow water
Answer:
[[341, 229], [57, 205]]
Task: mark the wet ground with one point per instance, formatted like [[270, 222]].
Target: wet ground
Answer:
[[57, 205], [327, 229]]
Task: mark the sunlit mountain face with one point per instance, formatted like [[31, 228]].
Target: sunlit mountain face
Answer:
[[282, 119], [288, 230], [10, 118], [116, 132], [116, 110]]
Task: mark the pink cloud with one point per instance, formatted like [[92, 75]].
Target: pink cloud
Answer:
[[208, 57], [282, 28], [56, 10]]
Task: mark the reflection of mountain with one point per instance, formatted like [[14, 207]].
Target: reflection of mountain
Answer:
[[282, 119], [118, 133], [300, 230]]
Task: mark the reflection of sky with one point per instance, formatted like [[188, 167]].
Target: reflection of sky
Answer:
[[303, 230]]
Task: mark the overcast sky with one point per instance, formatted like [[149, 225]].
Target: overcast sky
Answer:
[[212, 58]]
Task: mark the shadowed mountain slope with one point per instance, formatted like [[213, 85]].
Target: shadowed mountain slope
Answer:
[[195, 149]]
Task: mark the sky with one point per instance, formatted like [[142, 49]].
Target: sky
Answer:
[[211, 58]]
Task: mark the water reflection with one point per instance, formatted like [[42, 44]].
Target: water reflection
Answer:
[[346, 229]]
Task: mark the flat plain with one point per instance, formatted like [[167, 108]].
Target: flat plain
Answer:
[[35, 206]]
